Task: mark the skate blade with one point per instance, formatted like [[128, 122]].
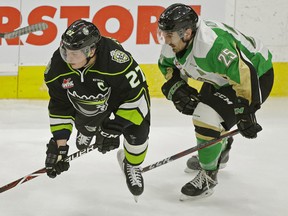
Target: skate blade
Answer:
[[207, 193], [136, 198], [222, 165], [120, 158], [188, 170]]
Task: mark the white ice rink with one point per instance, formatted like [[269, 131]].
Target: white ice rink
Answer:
[[254, 183]]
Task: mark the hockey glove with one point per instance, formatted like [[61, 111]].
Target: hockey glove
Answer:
[[107, 136], [54, 155], [184, 97], [246, 120]]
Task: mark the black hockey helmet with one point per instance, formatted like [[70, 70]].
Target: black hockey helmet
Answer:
[[80, 34], [177, 17]]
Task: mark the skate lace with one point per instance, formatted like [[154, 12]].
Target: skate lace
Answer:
[[83, 140], [134, 175], [202, 177]]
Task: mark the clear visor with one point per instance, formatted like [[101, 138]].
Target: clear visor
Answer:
[[74, 56], [168, 37]]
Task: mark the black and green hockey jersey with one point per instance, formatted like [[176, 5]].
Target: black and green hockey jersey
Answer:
[[115, 84]]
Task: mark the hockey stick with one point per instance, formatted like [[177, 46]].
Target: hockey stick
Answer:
[[25, 30], [43, 170], [94, 146], [188, 151]]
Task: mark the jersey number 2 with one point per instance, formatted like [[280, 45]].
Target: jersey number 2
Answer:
[[227, 56], [133, 78]]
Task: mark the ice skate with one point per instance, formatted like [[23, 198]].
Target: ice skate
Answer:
[[134, 179], [83, 141], [201, 186], [193, 162]]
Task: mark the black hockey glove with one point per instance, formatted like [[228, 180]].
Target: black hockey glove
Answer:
[[246, 120], [54, 165], [184, 97], [107, 136]]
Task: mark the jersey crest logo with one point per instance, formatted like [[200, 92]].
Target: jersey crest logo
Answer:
[[119, 56], [93, 104], [67, 83], [177, 64]]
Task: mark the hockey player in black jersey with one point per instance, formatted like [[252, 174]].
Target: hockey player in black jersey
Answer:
[[97, 86]]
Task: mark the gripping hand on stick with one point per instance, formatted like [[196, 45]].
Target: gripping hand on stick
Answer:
[[246, 119], [108, 136], [54, 155]]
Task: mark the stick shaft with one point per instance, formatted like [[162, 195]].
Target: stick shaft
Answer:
[[43, 170], [188, 151], [94, 146], [25, 30]]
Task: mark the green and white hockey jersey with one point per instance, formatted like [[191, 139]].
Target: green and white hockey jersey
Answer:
[[222, 56]]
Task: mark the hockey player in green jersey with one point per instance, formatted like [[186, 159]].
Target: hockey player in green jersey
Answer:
[[97, 85], [237, 75]]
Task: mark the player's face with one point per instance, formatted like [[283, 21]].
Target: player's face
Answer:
[[172, 39], [76, 58]]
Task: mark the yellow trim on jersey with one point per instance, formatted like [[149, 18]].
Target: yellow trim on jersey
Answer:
[[72, 72], [114, 74], [61, 127]]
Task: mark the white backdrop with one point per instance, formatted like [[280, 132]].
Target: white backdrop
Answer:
[[54, 13], [267, 20]]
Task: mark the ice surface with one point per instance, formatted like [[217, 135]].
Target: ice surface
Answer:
[[254, 183]]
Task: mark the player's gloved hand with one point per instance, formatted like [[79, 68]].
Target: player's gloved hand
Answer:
[[184, 97], [246, 120], [54, 154], [108, 136]]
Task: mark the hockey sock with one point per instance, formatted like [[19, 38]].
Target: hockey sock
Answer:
[[208, 157]]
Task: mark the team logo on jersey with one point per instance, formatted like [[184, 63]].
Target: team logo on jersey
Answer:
[[119, 56], [177, 64], [182, 69], [67, 83], [91, 105]]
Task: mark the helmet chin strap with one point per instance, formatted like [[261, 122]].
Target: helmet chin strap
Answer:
[[188, 41], [182, 52], [88, 59]]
